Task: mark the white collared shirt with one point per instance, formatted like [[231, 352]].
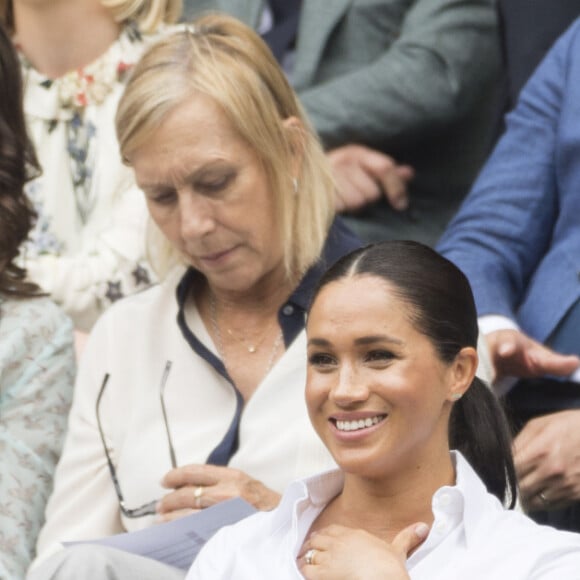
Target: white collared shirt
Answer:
[[472, 537]]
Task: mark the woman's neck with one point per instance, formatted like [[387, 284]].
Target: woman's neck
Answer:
[[262, 299], [385, 507], [62, 35]]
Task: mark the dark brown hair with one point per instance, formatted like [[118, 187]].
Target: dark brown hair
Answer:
[[17, 164], [443, 309], [7, 15]]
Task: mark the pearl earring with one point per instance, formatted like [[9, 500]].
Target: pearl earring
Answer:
[[456, 397]]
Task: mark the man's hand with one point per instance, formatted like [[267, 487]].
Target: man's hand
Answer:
[[547, 457], [363, 175], [514, 354]]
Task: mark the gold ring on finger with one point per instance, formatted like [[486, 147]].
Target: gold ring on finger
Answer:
[[309, 557], [197, 493]]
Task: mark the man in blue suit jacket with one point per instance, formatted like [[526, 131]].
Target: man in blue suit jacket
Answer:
[[517, 238]]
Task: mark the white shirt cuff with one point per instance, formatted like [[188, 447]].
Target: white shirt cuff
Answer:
[[492, 322]]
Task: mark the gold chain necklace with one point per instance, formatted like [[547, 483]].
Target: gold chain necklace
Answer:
[[251, 348]]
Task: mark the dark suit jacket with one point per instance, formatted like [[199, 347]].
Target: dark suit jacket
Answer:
[[528, 28]]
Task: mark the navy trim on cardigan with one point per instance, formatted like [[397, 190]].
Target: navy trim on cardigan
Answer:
[[291, 316]]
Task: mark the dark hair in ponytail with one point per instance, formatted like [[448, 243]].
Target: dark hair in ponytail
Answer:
[[443, 309]]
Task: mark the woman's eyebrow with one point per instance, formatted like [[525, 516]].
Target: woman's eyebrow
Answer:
[[318, 342], [365, 340], [362, 341]]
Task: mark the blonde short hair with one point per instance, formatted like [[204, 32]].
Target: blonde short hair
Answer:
[[228, 62], [148, 14]]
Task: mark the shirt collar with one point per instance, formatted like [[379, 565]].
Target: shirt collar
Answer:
[[317, 490], [465, 501], [476, 498]]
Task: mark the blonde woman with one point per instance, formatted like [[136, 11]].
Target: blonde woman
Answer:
[[192, 392], [87, 246]]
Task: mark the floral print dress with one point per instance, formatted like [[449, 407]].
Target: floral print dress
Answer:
[[37, 370], [88, 246]]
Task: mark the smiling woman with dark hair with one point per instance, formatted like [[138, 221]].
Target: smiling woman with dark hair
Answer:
[[36, 355], [422, 445]]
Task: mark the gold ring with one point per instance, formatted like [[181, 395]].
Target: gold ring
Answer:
[[197, 493], [309, 557]]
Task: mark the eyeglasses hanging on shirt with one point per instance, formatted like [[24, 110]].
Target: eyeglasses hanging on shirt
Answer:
[[148, 508]]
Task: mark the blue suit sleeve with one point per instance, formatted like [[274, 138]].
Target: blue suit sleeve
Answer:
[[505, 225]]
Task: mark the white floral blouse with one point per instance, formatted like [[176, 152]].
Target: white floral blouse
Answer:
[[37, 369], [87, 248]]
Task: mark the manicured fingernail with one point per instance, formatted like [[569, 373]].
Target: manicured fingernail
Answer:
[[422, 530]]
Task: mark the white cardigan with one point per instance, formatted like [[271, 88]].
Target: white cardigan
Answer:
[[132, 342]]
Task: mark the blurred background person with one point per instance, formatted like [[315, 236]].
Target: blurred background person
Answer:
[[517, 238], [87, 247], [36, 354], [242, 203], [401, 94]]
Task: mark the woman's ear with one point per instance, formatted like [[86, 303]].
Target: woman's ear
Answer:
[[462, 372], [295, 134]]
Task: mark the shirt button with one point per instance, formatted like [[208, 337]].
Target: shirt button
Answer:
[[440, 527], [288, 310]]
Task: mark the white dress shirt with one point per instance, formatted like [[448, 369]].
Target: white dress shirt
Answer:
[[472, 537]]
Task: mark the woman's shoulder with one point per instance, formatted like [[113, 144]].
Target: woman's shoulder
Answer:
[[38, 314], [511, 534], [485, 516], [518, 540]]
